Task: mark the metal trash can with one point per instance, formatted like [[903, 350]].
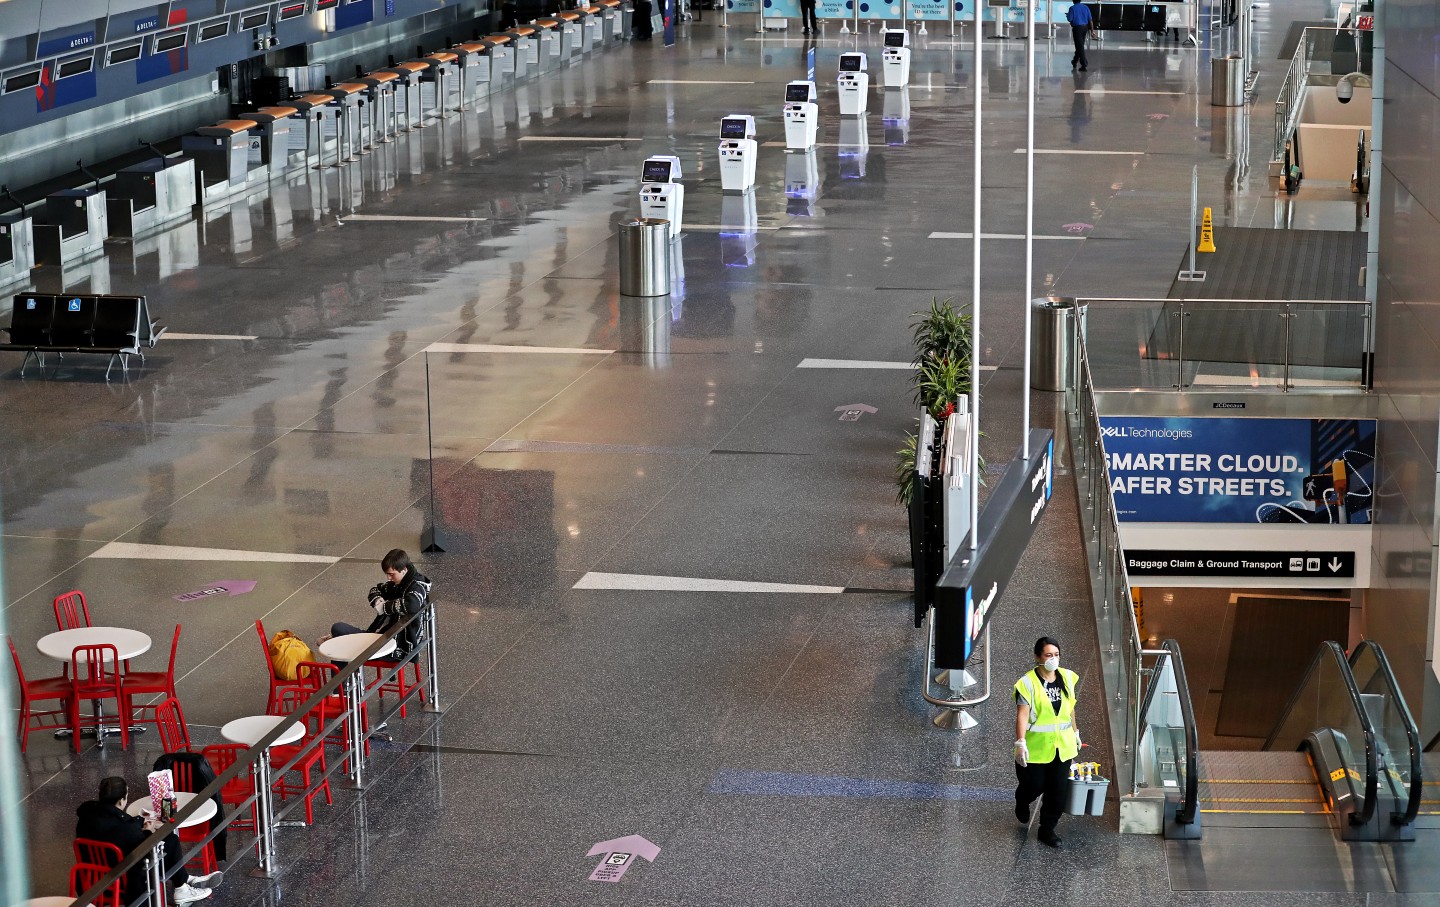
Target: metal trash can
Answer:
[[1055, 322], [645, 257], [1227, 81]]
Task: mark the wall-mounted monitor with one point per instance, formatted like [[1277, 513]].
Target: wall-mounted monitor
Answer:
[[732, 128], [168, 41], [254, 19], [116, 54], [291, 11], [74, 66], [325, 4], [656, 172], [797, 93], [22, 80], [212, 30]]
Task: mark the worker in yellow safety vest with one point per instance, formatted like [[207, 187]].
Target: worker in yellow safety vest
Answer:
[[1046, 738]]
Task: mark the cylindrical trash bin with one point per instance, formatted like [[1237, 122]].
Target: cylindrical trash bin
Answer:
[[1227, 81], [1055, 324], [1088, 796], [645, 257]]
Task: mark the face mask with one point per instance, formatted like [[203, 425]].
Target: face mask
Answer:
[[1052, 663]]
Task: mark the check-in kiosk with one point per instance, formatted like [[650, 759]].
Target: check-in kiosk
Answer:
[[802, 115], [502, 60], [854, 147], [624, 15], [149, 195], [895, 116], [610, 19], [73, 228], [550, 33], [526, 42], [474, 58], [737, 153], [17, 247], [570, 33], [594, 26], [222, 154], [661, 192], [854, 83], [802, 183], [895, 57], [270, 139]]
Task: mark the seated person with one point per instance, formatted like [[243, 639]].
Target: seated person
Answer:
[[406, 591], [104, 819]]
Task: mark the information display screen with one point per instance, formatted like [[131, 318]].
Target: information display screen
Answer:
[[894, 39], [733, 128], [656, 172], [850, 63], [797, 93]]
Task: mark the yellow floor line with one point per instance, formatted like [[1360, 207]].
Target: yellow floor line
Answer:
[[1258, 800], [1254, 781]]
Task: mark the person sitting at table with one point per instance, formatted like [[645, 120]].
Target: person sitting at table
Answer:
[[104, 819], [406, 591]]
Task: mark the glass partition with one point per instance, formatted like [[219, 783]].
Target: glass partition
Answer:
[[14, 866], [1396, 734], [1169, 737]]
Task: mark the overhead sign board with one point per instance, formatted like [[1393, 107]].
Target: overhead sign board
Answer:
[[974, 581], [1290, 564]]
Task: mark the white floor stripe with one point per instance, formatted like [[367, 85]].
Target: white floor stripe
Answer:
[[407, 218], [176, 335], [943, 235], [578, 138], [501, 348], [729, 228], [1102, 91], [1076, 151], [639, 582], [816, 145], [133, 551], [854, 363], [695, 82]]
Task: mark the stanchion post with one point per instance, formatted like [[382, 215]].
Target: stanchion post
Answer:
[[264, 818], [355, 686], [432, 652]]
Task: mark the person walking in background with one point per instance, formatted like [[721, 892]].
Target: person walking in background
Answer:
[[1078, 15], [809, 24], [1046, 738]]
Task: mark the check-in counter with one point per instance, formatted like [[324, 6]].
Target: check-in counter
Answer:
[[617, 19], [380, 105], [222, 155], [594, 27], [443, 77], [408, 109], [474, 59], [150, 195], [527, 51], [346, 115], [311, 139], [573, 37], [72, 228], [549, 32], [17, 247], [270, 139]]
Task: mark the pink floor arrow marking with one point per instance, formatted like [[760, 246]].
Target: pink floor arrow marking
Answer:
[[620, 854], [1078, 227], [219, 587]]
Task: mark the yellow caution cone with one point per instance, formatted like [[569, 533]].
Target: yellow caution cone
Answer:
[[1207, 234]]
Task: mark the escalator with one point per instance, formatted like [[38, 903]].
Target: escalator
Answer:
[[1345, 754]]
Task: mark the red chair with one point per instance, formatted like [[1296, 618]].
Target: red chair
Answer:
[[170, 722], [277, 685], [185, 780], [102, 854], [150, 683], [32, 691], [401, 684], [237, 790], [71, 610], [314, 754], [84, 876], [95, 676], [314, 675]]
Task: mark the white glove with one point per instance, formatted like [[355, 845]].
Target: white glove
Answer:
[[1022, 753], [1078, 742], [377, 602]]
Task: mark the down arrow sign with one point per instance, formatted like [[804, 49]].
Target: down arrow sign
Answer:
[[1335, 565]]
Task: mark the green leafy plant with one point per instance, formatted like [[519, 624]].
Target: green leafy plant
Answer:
[[939, 382], [905, 471], [942, 333]]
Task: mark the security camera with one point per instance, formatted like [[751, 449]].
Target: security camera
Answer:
[[1344, 91]]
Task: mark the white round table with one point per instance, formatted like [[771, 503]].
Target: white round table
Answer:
[[48, 901], [62, 643], [352, 645], [204, 814], [251, 729]]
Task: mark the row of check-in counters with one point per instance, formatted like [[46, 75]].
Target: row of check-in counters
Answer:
[[330, 126]]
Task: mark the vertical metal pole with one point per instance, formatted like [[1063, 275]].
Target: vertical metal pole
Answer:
[[979, 147], [1029, 224], [155, 875], [264, 819], [433, 661], [356, 688], [1194, 210], [1377, 134], [1180, 350], [1285, 362]]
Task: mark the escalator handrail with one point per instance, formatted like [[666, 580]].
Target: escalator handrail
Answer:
[[1331, 649], [1190, 803], [1412, 731], [1434, 743], [1149, 697]]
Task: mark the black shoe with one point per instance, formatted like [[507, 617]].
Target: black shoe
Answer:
[[1022, 812], [1084, 69], [1049, 838]]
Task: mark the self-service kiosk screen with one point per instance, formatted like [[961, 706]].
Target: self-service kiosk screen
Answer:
[[849, 63], [797, 93], [894, 39], [732, 129], [656, 172]]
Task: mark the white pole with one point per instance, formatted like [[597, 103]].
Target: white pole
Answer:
[[1377, 129], [1029, 220], [975, 298]]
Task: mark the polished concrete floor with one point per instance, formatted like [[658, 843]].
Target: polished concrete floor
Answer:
[[771, 740]]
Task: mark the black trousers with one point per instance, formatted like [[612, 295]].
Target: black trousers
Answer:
[[807, 16], [1080, 33], [1050, 779]]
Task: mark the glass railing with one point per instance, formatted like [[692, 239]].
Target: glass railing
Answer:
[[1169, 736], [1183, 344], [1120, 649], [1395, 730], [1319, 52], [1329, 701], [14, 866]]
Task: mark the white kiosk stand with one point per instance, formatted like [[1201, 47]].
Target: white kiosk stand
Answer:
[[854, 82], [661, 192], [802, 116], [737, 153], [895, 58]]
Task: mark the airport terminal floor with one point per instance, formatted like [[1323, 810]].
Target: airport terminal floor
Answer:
[[606, 469]]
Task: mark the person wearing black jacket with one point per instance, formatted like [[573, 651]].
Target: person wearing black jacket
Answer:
[[406, 591], [104, 819], [201, 775]]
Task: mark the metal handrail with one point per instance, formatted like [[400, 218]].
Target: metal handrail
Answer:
[[1331, 650], [1290, 98], [1412, 730], [1190, 803], [256, 764]]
